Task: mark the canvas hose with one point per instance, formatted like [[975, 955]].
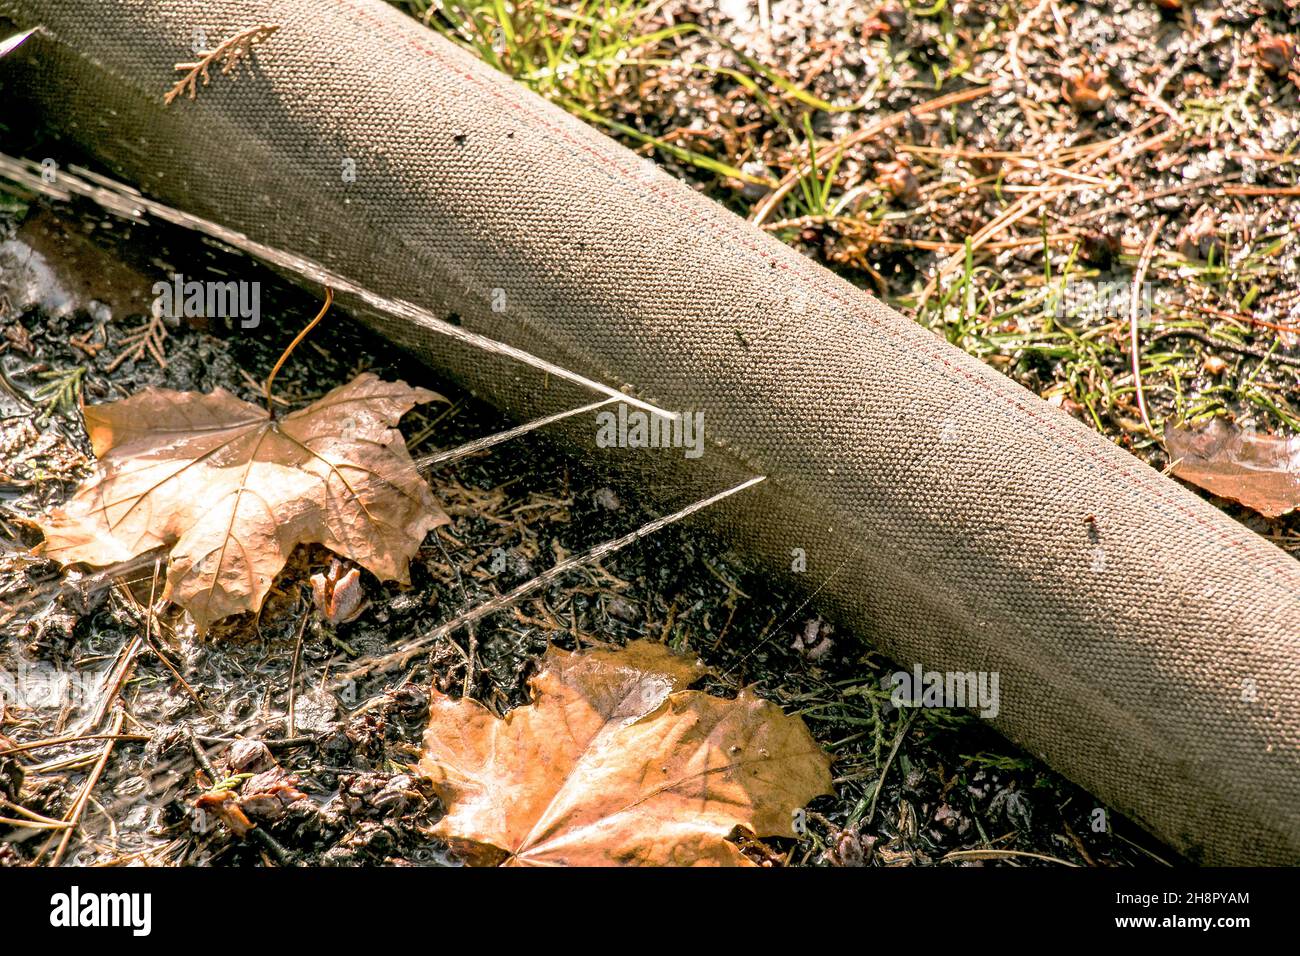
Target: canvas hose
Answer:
[[1147, 645]]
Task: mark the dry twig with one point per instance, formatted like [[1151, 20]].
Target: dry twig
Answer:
[[883, 125], [1136, 357], [403, 654], [145, 338], [229, 52]]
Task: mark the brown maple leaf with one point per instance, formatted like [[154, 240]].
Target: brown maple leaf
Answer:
[[230, 491], [615, 763], [1259, 471]]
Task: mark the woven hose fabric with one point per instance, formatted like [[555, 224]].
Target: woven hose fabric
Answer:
[[948, 516]]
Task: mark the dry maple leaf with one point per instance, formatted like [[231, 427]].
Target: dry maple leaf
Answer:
[[615, 763], [231, 491], [1259, 471]]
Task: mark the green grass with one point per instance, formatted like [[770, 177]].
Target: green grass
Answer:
[[59, 393]]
